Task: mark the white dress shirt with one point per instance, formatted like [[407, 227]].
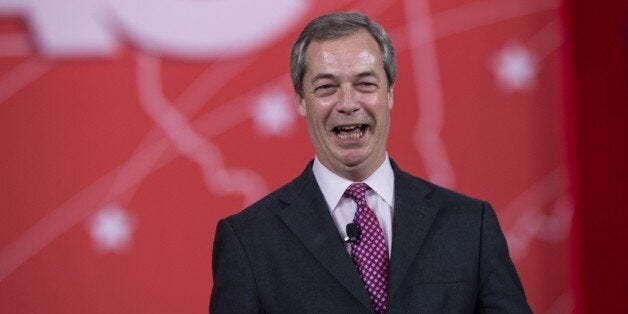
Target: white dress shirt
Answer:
[[342, 208]]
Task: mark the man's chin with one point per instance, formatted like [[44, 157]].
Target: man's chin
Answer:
[[346, 162], [353, 161]]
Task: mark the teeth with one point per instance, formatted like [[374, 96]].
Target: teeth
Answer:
[[351, 136], [349, 132], [348, 127]]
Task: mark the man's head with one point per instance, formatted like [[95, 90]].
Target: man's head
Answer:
[[338, 25], [343, 69]]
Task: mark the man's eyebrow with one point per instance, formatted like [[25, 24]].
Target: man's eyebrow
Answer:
[[367, 73], [321, 76]]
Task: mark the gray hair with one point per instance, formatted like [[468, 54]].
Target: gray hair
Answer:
[[337, 25]]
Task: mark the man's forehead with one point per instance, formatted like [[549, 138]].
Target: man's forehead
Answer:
[[355, 55], [363, 55]]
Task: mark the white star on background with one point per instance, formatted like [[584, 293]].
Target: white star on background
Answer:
[[515, 68], [274, 114], [111, 229]]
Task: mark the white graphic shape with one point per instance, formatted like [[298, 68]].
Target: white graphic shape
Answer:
[[274, 114], [427, 134], [179, 28], [67, 28], [543, 212], [111, 229], [189, 142], [514, 68]]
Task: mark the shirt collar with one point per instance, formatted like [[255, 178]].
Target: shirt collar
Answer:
[[333, 186]]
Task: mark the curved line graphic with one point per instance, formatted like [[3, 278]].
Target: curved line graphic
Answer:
[[428, 142], [217, 177]]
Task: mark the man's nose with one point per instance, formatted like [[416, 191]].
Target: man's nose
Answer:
[[347, 102]]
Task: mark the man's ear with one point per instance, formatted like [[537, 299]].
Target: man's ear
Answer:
[[301, 105], [390, 98]]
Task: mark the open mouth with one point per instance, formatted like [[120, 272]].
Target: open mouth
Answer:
[[350, 132]]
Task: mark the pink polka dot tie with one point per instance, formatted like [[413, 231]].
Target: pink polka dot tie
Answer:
[[370, 253]]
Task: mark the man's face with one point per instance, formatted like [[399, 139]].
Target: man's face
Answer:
[[346, 102]]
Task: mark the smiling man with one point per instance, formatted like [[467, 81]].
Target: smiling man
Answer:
[[346, 98], [354, 233]]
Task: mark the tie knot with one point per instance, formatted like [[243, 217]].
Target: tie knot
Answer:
[[357, 192]]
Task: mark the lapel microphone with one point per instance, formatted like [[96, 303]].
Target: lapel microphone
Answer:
[[353, 233]]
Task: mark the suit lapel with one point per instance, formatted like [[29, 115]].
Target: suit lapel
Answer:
[[413, 217], [308, 218]]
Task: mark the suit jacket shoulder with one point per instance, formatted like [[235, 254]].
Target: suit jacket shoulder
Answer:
[[272, 204], [408, 183]]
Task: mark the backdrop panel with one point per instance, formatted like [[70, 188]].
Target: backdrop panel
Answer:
[[129, 128]]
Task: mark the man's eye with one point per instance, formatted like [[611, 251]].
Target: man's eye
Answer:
[[367, 87], [325, 90]]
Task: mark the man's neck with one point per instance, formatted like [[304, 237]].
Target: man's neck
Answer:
[[357, 173]]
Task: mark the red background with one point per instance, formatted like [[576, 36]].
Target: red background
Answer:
[[84, 134]]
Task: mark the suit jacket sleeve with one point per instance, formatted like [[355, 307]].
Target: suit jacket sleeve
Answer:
[[234, 289], [500, 288]]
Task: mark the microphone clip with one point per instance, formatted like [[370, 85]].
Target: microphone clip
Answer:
[[353, 233]]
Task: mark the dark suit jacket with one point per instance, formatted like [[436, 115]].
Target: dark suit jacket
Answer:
[[284, 254]]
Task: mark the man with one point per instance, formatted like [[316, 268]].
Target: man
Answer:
[[413, 247]]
